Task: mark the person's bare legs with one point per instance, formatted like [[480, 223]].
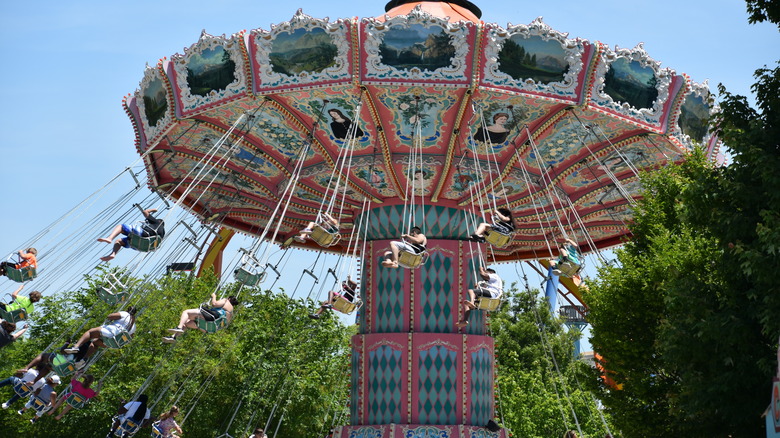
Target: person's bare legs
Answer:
[[482, 228], [188, 315], [115, 232], [56, 406], [469, 306], [93, 333], [63, 413], [117, 247], [388, 261]]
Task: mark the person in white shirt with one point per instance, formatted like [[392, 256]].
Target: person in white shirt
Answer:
[[135, 410], [29, 376], [491, 287], [42, 390], [117, 322]]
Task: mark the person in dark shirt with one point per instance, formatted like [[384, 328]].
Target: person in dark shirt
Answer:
[[151, 227], [7, 334]]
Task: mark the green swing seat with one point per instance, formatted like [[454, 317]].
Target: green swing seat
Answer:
[[248, 278], [497, 238], [112, 292], [144, 244], [39, 405], [211, 326], [21, 275], [323, 237], [15, 315], [120, 340], [63, 365], [76, 400], [567, 268]]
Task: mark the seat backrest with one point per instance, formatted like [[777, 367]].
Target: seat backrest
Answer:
[[23, 389], [411, 260], [76, 400], [323, 237], [13, 316], [344, 306], [120, 340], [497, 239], [143, 244], [21, 275]]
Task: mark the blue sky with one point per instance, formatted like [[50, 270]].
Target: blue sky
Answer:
[[67, 66]]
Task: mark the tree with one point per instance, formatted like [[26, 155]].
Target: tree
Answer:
[[688, 321], [533, 396]]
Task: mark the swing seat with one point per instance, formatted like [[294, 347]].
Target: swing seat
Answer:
[[40, 405], [21, 275], [411, 260], [211, 326], [128, 427], [497, 239], [13, 316], [143, 244], [63, 365], [323, 237], [345, 306], [112, 298], [488, 304], [75, 400], [120, 340], [23, 389], [156, 431], [567, 268], [248, 278]]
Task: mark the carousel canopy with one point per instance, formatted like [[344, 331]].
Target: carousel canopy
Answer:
[[415, 105]]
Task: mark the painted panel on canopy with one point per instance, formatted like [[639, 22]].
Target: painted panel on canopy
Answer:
[[630, 83], [372, 176], [562, 143], [320, 177], [211, 72], [513, 187], [155, 107], [337, 117], [608, 161], [535, 59], [695, 114], [304, 51], [618, 214], [403, 109], [468, 174], [201, 138], [417, 47], [424, 176], [610, 194], [518, 111], [278, 134]]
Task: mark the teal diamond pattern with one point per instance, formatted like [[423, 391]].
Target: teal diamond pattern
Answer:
[[437, 386], [384, 380], [436, 295], [440, 222], [481, 383], [354, 395], [389, 299]]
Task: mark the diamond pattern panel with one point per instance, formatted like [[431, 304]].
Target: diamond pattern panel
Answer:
[[481, 385], [440, 222], [476, 317], [354, 395], [389, 299], [384, 382], [437, 386], [436, 295]]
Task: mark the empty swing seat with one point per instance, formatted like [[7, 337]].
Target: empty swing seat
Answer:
[[118, 341], [323, 237], [76, 400], [248, 278], [21, 275], [411, 260], [143, 244], [63, 365], [343, 305], [112, 298], [497, 239]]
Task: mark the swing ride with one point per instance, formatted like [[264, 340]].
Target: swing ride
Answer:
[[424, 116]]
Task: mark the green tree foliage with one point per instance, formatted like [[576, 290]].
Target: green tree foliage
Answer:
[[689, 320], [271, 356], [533, 396]]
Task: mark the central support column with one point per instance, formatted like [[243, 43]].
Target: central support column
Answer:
[[413, 373]]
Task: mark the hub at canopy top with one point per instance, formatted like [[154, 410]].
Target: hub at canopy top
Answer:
[[424, 106]]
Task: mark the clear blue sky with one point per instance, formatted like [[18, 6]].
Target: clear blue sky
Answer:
[[68, 64]]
